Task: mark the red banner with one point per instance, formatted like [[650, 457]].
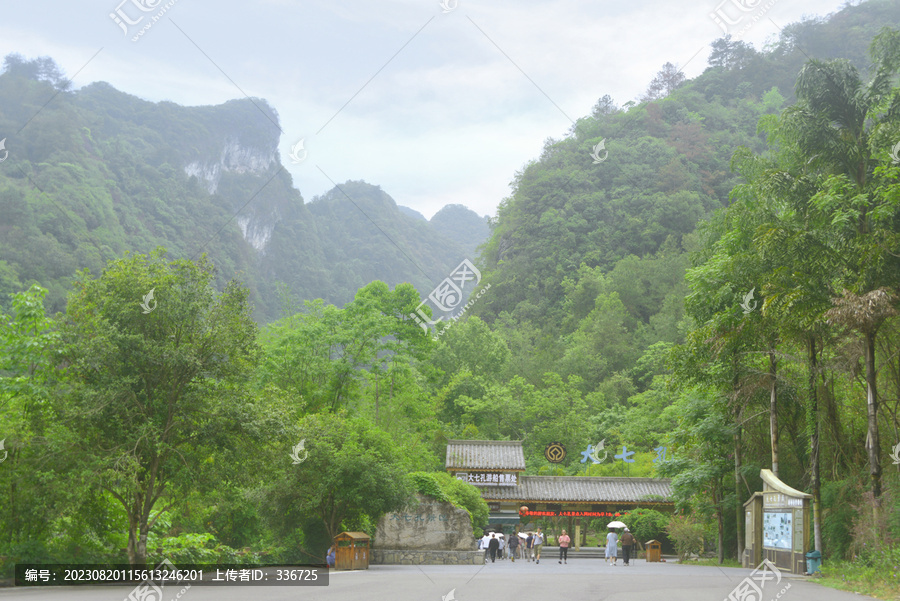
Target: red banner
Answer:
[[590, 514]]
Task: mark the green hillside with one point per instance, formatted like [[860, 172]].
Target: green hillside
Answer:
[[97, 172], [706, 282]]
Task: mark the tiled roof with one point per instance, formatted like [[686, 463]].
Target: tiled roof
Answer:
[[485, 455], [568, 489]]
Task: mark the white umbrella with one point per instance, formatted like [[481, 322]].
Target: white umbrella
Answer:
[[616, 524], [523, 535]]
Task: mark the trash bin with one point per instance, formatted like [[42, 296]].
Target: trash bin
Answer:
[[352, 551], [813, 562], [654, 550]]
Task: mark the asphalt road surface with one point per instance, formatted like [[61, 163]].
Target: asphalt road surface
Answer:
[[579, 580]]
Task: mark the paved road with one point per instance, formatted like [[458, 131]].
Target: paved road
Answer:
[[580, 580]]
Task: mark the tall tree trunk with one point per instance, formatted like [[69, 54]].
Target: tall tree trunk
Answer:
[[137, 534], [13, 511], [812, 425], [739, 508], [720, 522], [873, 444], [773, 410]]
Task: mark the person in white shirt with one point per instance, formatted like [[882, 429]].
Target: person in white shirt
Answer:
[[538, 545], [502, 545], [483, 544]]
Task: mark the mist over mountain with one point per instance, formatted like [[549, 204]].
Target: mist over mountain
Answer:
[[98, 172]]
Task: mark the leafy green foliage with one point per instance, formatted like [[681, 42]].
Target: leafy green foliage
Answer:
[[647, 524], [687, 534], [352, 469], [443, 487]]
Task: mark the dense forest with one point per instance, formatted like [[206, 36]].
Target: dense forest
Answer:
[[724, 284]]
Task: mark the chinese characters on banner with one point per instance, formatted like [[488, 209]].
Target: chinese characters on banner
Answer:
[[488, 478]]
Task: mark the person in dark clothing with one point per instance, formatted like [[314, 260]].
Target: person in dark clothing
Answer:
[[493, 546], [627, 545], [513, 546], [529, 547]]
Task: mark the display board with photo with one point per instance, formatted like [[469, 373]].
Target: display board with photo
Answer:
[[777, 530]]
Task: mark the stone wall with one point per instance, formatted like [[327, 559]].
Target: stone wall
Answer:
[[429, 526], [426, 557]]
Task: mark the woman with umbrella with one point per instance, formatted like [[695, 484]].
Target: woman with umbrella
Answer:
[[612, 540]]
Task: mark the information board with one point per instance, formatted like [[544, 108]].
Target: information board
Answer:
[[777, 530]]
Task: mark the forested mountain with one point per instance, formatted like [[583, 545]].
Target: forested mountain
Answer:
[[575, 232], [97, 172], [463, 226], [709, 277]]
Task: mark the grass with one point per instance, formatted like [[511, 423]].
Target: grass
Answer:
[[712, 561], [876, 575]]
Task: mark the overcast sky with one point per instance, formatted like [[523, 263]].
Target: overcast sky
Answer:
[[436, 104]]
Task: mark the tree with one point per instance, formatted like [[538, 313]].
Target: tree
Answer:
[[697, 474], [729, 54], [352, 470], [666, 81], [28, 356], [151, 389], [837, 124]]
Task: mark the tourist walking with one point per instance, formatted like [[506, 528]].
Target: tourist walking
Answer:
[[563, 541], [611, 550], [493, 546], [483, 545], [627, 546], [529, 547], [538, 545], [502, 540], [513, 546]]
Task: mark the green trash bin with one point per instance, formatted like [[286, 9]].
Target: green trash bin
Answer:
[[813, 562]]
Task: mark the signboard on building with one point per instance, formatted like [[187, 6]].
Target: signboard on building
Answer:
[[562, 513], [489, 478]]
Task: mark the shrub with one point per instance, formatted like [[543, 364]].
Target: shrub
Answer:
[[647, 524], [444, 487], [687, 534]]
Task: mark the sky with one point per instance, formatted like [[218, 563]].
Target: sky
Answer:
[[438, 103]]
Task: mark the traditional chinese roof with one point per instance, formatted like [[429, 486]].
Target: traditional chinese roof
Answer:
[[485, 455], [586, 489], [773, 482]]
